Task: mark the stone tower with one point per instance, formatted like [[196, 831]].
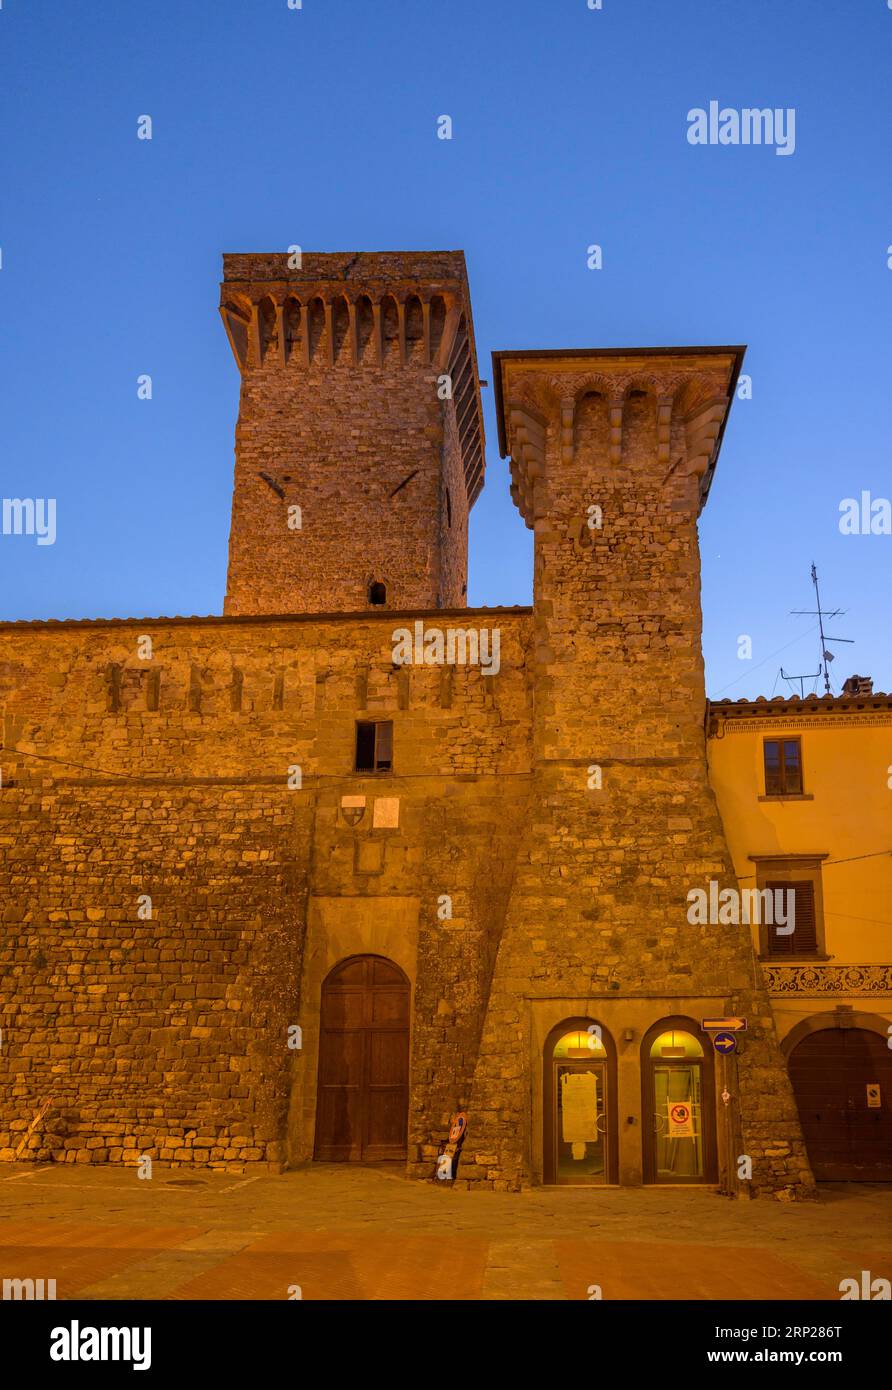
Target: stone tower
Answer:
[[359, 443], [612, 454]]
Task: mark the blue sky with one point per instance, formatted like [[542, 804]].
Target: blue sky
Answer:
[[317, 126]]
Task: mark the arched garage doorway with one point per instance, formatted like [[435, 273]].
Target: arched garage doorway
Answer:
[[363, 1094], [842, 1080]]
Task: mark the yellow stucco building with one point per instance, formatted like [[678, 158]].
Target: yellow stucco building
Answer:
[[804, 787]]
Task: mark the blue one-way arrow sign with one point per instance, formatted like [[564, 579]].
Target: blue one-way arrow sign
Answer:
[[724, 1025], [724, 1043]]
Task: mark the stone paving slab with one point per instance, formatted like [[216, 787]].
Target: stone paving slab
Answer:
[[642, 1269], [319, 1274], [80, 1256], [157, 1277], [327, 1266], [523, 1269], [74, 1236], [344, 1232]]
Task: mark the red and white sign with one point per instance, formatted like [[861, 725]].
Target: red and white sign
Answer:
[[681, 1120]]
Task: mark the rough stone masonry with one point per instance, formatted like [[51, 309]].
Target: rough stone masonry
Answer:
[[190, 850]]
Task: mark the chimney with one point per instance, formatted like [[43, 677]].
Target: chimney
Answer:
[[858, 685]]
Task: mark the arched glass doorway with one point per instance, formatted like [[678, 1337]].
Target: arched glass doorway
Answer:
[[579, 1093], [362, 1100], [678, 1104]]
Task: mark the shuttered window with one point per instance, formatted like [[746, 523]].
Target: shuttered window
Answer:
[[803, 940]]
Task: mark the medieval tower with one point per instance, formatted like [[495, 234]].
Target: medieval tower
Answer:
[[612, 454], [434, 872], [360, 408]]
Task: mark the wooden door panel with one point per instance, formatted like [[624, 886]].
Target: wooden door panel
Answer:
[[363, 1091], [388, 1059], [341, 1062], [384, 972], [351, 975], [343, 1009], [390, 1007], [386, 1133], [830, 1071], [339, 1123]]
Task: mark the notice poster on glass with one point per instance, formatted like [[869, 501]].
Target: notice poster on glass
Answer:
[[579, 1107]]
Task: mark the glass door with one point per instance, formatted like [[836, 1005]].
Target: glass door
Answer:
[[678, 1122], [581, 1122], [679, 1106], [580, 1128], [579, 1104]]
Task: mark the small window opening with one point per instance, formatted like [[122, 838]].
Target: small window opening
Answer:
[[377, 593], [374, 745], [448, 509]]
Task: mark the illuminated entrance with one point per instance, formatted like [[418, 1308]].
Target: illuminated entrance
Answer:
[[679, 1106], [580, 1104]]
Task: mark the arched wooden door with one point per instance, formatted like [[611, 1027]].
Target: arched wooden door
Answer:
[[842, 1079], [362, 1101]]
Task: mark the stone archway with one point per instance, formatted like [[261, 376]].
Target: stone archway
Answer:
[[841, 1072]]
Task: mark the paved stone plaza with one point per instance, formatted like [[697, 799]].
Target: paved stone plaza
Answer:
[[347, 1232]]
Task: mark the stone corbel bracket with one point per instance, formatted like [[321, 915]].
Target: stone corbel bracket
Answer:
[[538, 396], [527, 433], [702, 427]]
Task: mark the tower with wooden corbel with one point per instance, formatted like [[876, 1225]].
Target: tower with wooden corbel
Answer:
[[359, 442]]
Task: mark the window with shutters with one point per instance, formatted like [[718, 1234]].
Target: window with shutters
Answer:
[[797, 902], [794, 882]]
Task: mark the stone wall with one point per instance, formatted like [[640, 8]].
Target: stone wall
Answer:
[[161, 1035], [167, 777]]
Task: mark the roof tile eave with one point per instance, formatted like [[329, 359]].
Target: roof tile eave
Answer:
[[180, 620], [761, 706]]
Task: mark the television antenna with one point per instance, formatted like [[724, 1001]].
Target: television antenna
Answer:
[[820, 613], [809, 676]]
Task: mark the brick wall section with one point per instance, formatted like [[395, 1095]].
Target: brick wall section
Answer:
[[600, 897], [341, 415], [169, 1036]]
